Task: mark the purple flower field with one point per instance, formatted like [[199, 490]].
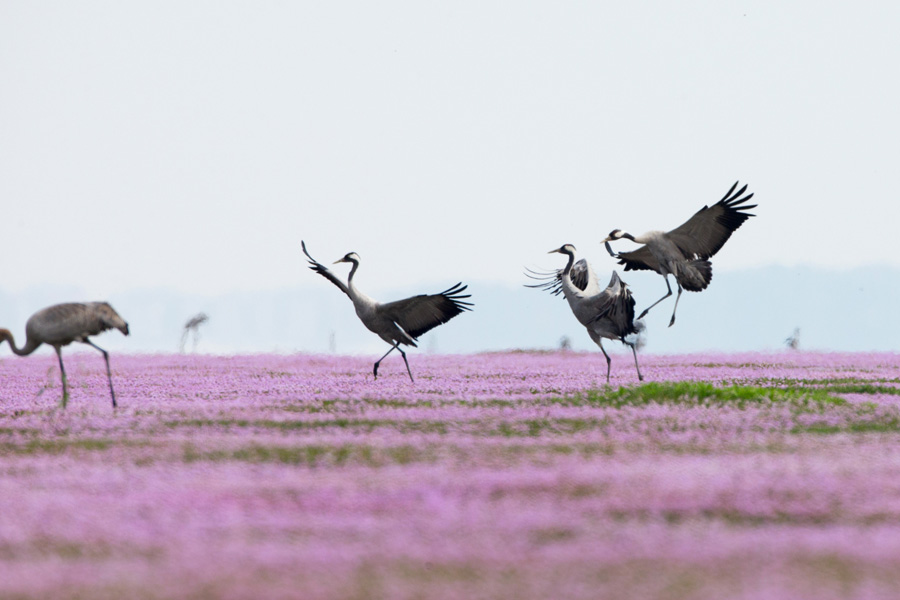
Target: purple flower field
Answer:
[[508, 475]]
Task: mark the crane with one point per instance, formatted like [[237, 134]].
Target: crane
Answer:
[[193, 325], [400, 322], [607, 313], [685, 251], [60, 325]]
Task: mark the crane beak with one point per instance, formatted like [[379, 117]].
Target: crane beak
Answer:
[[554, 251]]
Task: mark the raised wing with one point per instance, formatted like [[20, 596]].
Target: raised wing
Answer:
[[552, 280], [324, 271], [618, 306], [706, 232], [422, 313]]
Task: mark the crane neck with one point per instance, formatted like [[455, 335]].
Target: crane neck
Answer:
[[352, 270], [30, 345], [644, 238], [354, 293], [569, 264]]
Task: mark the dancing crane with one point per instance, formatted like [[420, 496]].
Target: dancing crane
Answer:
[[605, 313], [62, 324], [685, 251], [400, 322]]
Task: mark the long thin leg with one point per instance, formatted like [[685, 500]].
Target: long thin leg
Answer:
[[677, 298], [636, 366], [108, 372], [62, 376], [378, 362], [608, 361], [403, 354], [669, 287]]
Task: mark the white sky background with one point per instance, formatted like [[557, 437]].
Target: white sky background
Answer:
[[191, 145]]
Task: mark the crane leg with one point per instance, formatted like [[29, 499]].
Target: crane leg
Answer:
[[403, 354], [608, 361], [378, 362], [636, 366], [677, 298], [108, 372], [646, 310], [62, 376]]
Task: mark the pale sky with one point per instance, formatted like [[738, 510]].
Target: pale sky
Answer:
[[192, 145]]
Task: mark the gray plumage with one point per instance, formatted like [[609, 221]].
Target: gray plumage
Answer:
[[685, 251], [62, 324], [400, 322], [605, 313]]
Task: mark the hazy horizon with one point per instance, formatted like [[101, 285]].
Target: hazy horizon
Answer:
[[746, 310]]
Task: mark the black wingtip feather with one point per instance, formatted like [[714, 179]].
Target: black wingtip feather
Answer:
[[731, 190], [455, 295]]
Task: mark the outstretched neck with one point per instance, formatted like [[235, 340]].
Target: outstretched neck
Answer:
[[30, 346]]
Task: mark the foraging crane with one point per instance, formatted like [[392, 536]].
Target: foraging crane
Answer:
[[400, 322], [685, 251], [62, 324], [605, 313]]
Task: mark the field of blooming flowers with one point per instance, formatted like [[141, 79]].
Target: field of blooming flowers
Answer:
[[509, 475]]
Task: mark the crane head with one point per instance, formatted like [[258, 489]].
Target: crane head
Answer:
[[351, 257], [564, 249], [615, 234]]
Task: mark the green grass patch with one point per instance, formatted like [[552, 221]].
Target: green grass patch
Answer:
[[864, 388], [891, 425], [57, 446], [53, 446], [313, 455], [701, 393]]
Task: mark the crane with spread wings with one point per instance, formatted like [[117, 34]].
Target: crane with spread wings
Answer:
[[685, 251], [400, 322]]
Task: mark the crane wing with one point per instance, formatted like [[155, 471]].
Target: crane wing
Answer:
[[324, 271], [618, 305], [422, 313], [706, 232], [552, 280], [640, 259], [603, 302]]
